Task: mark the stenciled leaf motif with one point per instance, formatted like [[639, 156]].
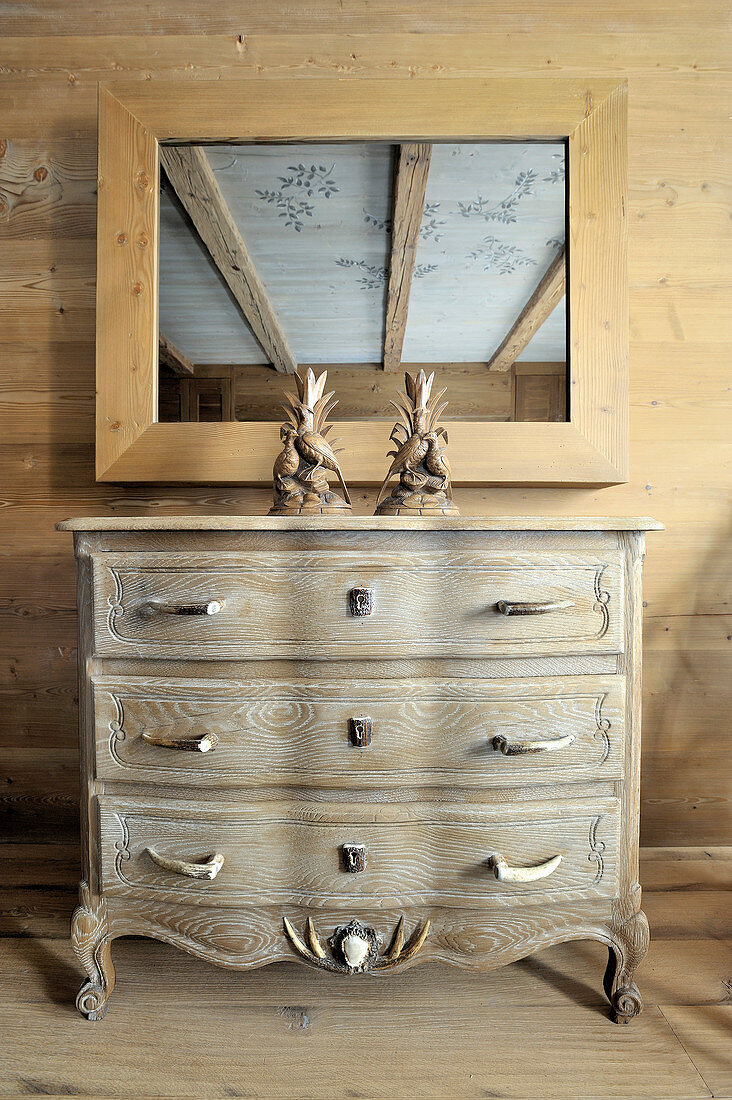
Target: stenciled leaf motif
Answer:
[[317, 179], [292, 210], [430, 228], [384, 225], [505, 210], [498, 256], [375, 275], [311, 182]]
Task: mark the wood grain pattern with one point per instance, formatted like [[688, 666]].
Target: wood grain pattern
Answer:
[[173, 358], [416, 854], [359, 523], [363, 390], [589, 448], [429, 732], [415, 845], [127, 279], [539, 391], [432, 1046], [422, 469], [410, 185], [704, 1034], [297, 605], [678, 262], [598, 248]]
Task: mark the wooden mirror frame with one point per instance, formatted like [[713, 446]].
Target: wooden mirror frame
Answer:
[[591, 448]]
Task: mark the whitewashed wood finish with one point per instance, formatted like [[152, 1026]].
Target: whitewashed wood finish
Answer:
[[364, 524], [416, 854], [246, 938], [297, 604], [433, 824], [433, 732]]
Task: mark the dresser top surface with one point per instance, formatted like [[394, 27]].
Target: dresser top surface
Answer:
[[359, 523]]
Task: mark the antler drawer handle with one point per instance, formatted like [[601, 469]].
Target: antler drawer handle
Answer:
[[207, 742], [211, 607], [504, 873], [209, 869], [515, 608], [520, 748]]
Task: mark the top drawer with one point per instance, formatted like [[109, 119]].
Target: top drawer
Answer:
[[316, 606]]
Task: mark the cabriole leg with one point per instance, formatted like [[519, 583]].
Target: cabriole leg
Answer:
[[629, 948], [93, 947]]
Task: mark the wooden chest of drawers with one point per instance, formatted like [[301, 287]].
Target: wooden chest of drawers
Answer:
[[360, 744]]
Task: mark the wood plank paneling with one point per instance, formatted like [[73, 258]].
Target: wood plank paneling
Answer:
[[674, 56]]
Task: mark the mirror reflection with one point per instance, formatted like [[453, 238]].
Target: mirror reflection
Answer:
[[367, 258]]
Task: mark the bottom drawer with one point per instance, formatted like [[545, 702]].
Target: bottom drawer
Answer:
[[412, 854]]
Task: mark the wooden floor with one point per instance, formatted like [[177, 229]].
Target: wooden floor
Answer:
[[539, 1028]]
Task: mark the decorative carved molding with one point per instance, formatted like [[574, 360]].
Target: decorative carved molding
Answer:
[[597, 848], [355, 947], [117, 731], [92, 943], [122, 848], [419, 462], [299, 474], [629, 946], [602, 599], [116, 608], [603, 727]]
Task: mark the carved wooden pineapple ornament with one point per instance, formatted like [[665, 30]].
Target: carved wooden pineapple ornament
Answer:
[[420, 463], [299, 474]]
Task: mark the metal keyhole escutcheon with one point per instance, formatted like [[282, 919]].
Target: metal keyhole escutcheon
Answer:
[[361, 601]]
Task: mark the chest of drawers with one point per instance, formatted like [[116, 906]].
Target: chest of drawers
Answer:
[[360, 743]]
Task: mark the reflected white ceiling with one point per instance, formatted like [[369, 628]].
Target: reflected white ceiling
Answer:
[[316, 221]]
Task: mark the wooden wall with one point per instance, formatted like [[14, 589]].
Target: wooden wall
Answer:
[[53, 52], [528, 391]]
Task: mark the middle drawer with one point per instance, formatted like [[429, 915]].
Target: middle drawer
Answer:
[[348, 734]]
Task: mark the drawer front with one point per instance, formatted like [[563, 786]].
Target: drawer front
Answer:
[[351, 734], [312, 606], [413, 854]]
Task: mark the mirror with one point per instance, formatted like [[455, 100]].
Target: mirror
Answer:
[[366, 258], [277, 252]]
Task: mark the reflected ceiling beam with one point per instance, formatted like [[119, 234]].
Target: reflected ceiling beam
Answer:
[[173, 358], [542, 302], [192, 178], [413, 167]]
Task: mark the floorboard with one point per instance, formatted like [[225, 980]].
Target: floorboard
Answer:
[[705, 1032], [269, 1050], [537, 1029]]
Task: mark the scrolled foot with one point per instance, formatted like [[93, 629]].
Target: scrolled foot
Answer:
[[92, 944], [93, 1000], [626, 1003], [627, 951]]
